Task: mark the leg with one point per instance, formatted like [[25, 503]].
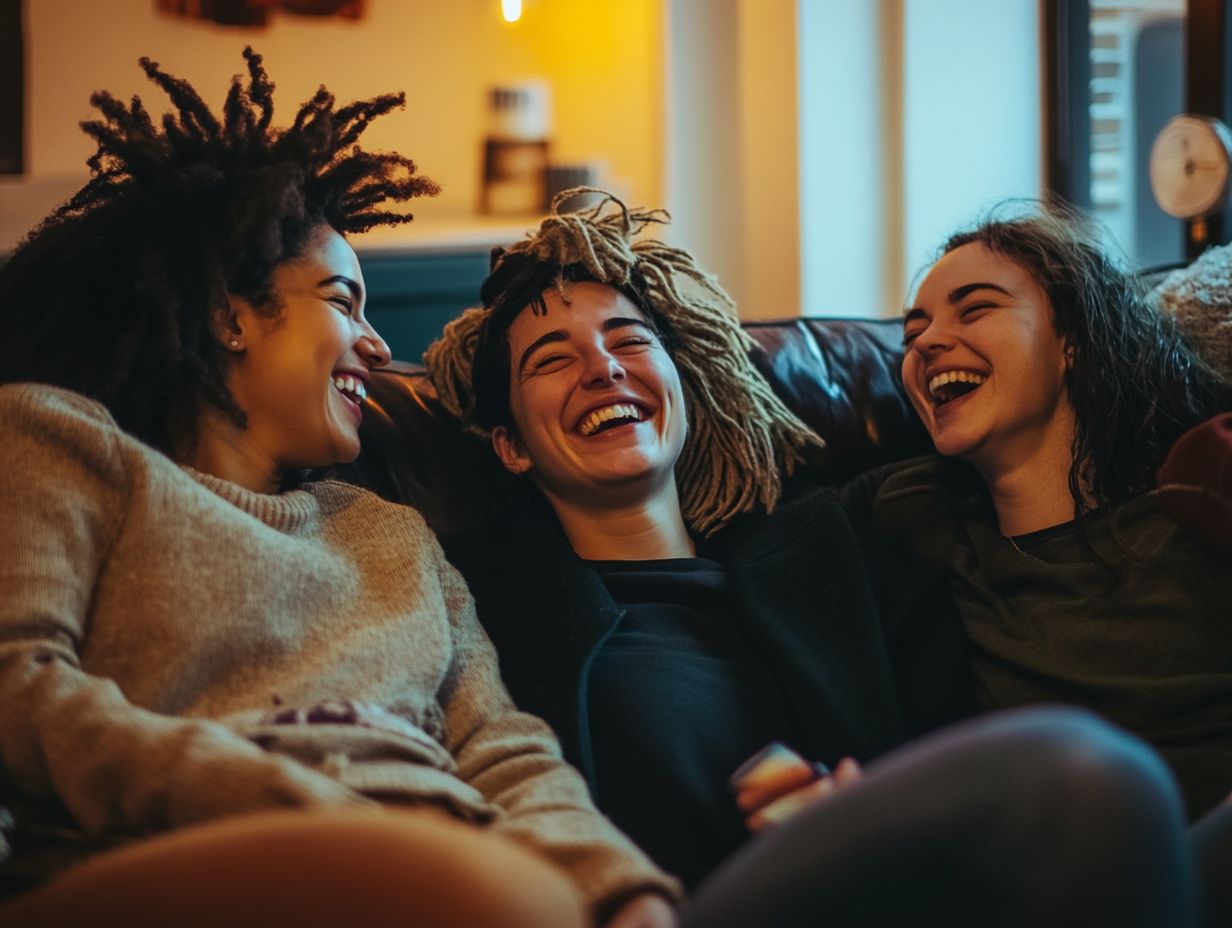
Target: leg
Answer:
[[1212, 843], [1035, 817], [310, 869]]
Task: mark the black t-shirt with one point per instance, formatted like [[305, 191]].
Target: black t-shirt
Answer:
[[678, 700], [1126, 615]]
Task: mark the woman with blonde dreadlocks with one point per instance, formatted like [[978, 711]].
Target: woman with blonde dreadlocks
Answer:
[[669, 604], [230, 695]]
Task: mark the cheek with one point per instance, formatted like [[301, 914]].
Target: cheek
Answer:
[[909, 372], [529, 408]]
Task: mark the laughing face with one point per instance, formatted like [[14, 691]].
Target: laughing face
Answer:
[[301, 375], [984, 366], [595, 401]]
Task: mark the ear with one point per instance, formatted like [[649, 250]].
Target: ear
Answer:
[[230, 324], [510, 452]]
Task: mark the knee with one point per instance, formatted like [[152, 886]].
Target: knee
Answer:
[[1088, 763], [379, 869], [443, 872]]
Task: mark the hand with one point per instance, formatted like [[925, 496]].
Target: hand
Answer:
[[649, 910], [791, 790]]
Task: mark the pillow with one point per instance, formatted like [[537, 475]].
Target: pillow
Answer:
[[1195, 481], [1200, 297]]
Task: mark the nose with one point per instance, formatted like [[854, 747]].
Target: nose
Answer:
[[602, 368], [934, 339], [371, 347]]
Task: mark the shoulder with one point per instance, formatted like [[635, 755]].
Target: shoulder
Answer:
[[338, 496], [65, 466], [360, 514], [23, 403], [805, 514], [861, 491], [47, 425]]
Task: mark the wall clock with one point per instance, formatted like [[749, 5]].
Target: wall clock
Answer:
[[1190, 166]]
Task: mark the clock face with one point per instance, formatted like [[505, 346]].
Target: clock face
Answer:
[[1190, 165]]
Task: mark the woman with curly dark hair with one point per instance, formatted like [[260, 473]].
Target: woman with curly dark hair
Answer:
[[1053, 391], [231, 694]]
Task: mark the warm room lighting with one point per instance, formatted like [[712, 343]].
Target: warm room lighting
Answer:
[[511, 10]]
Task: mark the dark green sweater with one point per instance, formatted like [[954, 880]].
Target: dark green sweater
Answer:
[[1129, 617]]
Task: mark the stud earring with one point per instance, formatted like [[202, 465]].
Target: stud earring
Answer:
[[235, 343]]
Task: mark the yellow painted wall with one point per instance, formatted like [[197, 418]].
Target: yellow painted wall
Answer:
[[603, 59]]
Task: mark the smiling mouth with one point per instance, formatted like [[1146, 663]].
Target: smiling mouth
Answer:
[[609, 417], [351, 387], [950, 385]]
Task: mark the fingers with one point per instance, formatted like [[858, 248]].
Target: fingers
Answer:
[[847, 772], [791, 804], [772, 772], [773, 784], [771, 810]]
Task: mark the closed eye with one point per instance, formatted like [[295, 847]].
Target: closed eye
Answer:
[[548, 362], [342, 304], [634, 341], [972, 309]]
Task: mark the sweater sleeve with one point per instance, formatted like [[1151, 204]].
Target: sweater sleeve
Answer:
[[64, 733], [514, 760]]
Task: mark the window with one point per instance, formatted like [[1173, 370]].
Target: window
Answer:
[[1117, 71]]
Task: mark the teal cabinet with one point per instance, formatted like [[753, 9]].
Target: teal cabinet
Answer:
[[411, 295]]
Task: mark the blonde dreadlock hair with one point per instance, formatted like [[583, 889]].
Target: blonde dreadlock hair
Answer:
[[741, 437]]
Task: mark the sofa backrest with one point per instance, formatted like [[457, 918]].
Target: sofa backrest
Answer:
[[841, 376]]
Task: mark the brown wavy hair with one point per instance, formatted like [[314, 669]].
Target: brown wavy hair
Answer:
[[1134, 381]]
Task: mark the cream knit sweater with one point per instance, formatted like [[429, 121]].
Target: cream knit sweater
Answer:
[[174, 648]]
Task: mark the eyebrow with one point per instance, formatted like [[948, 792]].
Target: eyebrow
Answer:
[[955, 295], [559, 335], [966, 289], [357, 292]]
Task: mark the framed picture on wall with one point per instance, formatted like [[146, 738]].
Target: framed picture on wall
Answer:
[[257, 12], [12, 88]]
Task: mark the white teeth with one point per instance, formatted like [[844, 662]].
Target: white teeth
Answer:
[[591, 423], [954, 377], [352, 387]]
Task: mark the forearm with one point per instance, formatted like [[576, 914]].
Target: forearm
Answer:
[[118, 768]]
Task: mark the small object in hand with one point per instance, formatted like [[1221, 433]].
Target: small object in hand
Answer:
[[770, 761]]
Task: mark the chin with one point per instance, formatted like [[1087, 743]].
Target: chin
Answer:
[[346, 454], [955, 446]]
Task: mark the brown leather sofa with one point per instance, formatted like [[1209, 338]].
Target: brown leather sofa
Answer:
[[841, 376]]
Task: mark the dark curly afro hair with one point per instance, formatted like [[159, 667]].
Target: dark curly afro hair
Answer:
[[116, 293]]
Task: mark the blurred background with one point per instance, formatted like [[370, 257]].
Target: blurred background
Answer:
[[813, 153]]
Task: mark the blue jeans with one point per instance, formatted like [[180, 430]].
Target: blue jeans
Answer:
[[1040, 817]]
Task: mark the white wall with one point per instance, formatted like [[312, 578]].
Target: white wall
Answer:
[[704, 162], [915, 116], [850, 164], [813, 152], [603, 59], [732, 146], [973, 124]]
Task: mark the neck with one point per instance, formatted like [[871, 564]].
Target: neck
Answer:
[[1027, 473], [644, 531], [225, 451], [1030, 487], [1029, 499]]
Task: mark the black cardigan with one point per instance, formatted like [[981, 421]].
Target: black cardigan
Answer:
[[864, 670]]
